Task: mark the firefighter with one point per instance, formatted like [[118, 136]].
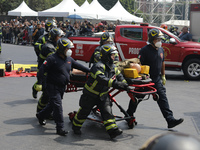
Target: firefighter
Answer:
[[174, 30], [172, 141], [133, 23], [48, 49], [86, 28], [57, 67], [97, 27], [103, 75], [164, 26], [106, 38], [0, 38], [166, 37], [38, 32], [153, 55], [43, 38], [69, 27], [38, 46]]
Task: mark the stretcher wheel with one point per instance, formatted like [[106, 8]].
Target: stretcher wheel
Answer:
[[72, 115], [131, 123], [155, 97]]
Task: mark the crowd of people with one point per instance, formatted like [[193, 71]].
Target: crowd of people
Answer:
[[21, 30]]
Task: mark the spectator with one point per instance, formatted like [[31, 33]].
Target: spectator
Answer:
[[111, 27], [16, 32], [54, 20], [16, 21], [118, 22], [30, 32], [21, 20], [76, 28], [102, 28]]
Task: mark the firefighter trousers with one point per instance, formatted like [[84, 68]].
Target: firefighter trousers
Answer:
[[87, 102], [55, 105], [162, 103]]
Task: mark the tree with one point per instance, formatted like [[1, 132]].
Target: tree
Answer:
[[79, 2], [108, 4], [6, 6]]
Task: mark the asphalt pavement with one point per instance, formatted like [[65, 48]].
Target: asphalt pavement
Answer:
[[20, 130]]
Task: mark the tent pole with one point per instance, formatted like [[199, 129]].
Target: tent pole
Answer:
[[75, 15]]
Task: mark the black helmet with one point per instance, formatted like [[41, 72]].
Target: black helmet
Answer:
[[54, 32], [172, 28], [133, 22], [105, 52], [172, 141], [154, 34], [49, 25], [63, 44], [106, 37]]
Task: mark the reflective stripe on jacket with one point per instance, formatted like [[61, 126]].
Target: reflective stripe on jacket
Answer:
[[101, 78]]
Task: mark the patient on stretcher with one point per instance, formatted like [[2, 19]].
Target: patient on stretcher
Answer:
[[131, 69]]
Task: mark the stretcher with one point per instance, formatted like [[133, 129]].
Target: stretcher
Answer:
[[139, 90]]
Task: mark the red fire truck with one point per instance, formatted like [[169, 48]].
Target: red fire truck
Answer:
[[129, 39]]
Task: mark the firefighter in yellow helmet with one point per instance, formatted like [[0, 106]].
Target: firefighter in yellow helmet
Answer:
[[153, 56], [106, 38], [103, 75]]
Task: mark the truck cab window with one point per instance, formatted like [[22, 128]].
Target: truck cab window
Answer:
[[132, 33]]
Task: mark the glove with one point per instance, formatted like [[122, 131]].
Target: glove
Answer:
[[120, 85], [163, 79], [38, 87]]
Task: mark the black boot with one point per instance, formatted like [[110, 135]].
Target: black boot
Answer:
[[114, 132], [61, 132], [41, 121], [76, 130], [34, 92], [175, 122]]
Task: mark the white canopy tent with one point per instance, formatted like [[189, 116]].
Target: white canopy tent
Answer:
[[178, 22], [61, 10], [67, 8], [98, 10], [89, 11], [84, 12], [22, 10], [119, 12]]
